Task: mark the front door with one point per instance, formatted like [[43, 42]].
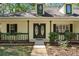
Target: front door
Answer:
[[39, 30]]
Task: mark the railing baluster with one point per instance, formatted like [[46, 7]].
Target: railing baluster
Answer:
[[23, 37], [78, 36], [14, 37], [62, 36], [4, 35], [20, 37]]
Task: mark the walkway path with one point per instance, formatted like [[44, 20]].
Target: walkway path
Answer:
[[39, 49]]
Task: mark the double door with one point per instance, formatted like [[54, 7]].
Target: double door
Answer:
[[39, 30]]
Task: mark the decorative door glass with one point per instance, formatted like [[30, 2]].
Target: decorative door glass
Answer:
[[36, 30], [42, 30]]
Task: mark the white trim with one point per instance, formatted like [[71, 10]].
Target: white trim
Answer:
[[70, 17], [45, 19]]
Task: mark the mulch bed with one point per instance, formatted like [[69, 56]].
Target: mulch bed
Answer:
[[56, 50]]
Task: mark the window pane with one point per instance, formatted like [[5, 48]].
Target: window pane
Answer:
[[68, 8], [12, 28], [40, 9], [12, 31], [62, 28]]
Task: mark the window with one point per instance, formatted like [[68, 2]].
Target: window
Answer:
[[68, 8], [62, 28], [12, 28], [40, 9]]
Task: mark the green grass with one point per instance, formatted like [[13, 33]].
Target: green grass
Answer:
[[15, 50]]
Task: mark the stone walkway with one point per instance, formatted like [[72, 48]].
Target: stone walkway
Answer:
[[39, 49]]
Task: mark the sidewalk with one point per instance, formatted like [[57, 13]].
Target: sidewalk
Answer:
[[39, 49]]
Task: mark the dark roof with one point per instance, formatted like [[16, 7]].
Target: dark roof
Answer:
[[49, 12]]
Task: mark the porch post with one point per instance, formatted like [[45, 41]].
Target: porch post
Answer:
[[28, 29], [50, 26]]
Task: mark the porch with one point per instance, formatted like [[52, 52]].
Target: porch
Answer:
[[26, 28], [23, 38]]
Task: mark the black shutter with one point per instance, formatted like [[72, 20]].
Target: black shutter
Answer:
[[7, 28], [54, 27], [71, 27], [16, 28]]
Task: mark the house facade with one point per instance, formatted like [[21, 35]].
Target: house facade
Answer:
[[35, 28]]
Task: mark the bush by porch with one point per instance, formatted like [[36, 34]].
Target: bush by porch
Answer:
[[63, 39]]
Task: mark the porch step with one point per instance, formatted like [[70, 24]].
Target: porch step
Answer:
[[39, 46], [39, 42]]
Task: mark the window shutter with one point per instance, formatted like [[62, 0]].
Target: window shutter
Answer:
[[54, 27], [7, 28], [71, 27], [16, 28]]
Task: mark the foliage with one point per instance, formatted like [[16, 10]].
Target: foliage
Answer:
[[77, 4], [15, 50], [53, 36], [63, 44], [67, 36], [16, 7]]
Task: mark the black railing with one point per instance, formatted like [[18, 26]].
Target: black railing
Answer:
[[15, 37]]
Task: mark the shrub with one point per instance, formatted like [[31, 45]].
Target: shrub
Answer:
[[67, 36], [53, 36]]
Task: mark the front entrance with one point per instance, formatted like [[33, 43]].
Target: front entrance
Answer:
[[39, 30]]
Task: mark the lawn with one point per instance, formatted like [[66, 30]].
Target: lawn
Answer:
[[54, 50], [15, 50]]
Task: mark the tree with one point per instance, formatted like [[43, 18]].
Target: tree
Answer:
[[16, 7]]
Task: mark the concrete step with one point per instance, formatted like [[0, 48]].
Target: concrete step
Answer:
[[39, 46]]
